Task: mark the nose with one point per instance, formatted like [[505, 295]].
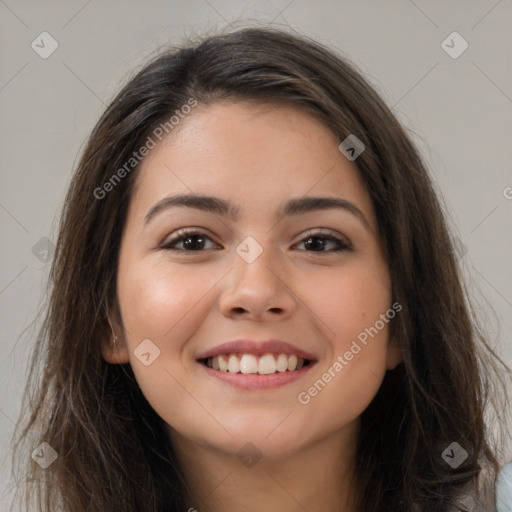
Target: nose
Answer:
[[257, 291]]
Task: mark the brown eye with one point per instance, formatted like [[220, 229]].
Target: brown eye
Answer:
[[317, 242], [190, 240]]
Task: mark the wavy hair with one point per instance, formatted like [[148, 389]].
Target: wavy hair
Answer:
[[113, 452]]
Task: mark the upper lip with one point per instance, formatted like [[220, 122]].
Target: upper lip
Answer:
[[257, 348]]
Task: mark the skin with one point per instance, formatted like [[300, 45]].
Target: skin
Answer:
[[187, 302]]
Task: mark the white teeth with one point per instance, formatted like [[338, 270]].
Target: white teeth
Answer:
[[282, 363], [233, 364], [292, 362], [249, 363], [267, 365], [223, 363]]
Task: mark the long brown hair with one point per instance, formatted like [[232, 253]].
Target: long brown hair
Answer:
[[113, 452]]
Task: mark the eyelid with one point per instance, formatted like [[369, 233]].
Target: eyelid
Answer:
[[327, 232]]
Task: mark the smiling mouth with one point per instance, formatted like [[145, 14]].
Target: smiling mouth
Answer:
[[266, 364]]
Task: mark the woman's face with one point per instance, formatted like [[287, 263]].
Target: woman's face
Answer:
[[279, 266]]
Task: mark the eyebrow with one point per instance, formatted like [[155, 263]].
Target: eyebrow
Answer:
[[227, 208]]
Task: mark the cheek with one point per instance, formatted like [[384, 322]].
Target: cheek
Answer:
[[350, 305], [158, 300], [165, 305], [347, 300]]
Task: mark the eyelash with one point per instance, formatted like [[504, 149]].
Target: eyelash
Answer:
[[183, 234]]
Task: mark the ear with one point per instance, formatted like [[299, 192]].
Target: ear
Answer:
[[394, 354], [113, 347]]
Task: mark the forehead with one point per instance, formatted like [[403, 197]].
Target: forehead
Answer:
[[253, 154]]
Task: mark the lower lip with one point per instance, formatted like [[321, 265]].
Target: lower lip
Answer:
[[254, 381]]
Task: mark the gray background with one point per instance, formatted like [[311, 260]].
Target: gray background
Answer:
[[458, 110]]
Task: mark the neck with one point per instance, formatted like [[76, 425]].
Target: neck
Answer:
[[319, 477]]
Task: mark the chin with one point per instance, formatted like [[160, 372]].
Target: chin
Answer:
[[253, 435]]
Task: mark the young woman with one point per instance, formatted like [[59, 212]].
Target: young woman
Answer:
[[256, 304]]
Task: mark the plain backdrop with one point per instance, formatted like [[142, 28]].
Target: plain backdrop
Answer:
[[457, 107]]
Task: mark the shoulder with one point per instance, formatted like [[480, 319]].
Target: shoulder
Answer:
[[504, 489]]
